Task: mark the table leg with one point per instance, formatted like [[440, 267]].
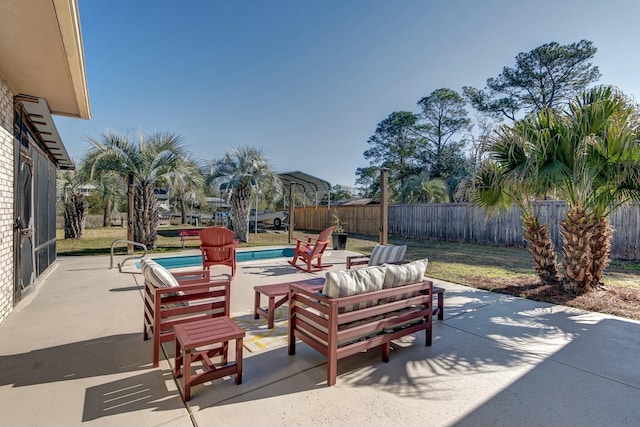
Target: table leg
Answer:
[[225, 349], [177, 363], [187, 375], [256, 304], [272, 312], [441, 306], [239, 360]]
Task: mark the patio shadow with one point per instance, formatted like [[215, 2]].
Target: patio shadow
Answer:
[[84, 359], [147, 391], [269, 270], [591, 381]]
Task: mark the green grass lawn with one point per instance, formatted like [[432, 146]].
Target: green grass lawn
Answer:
[[509, 270]]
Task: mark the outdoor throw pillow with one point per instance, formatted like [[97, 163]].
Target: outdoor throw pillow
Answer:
[[157, 275], [398, 275], [160, 277], [382, 254], [353, 282]]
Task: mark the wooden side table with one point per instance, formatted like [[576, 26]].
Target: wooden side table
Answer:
[[206, 333], [280, 291]]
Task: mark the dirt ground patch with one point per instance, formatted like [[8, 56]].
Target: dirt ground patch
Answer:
[[616, 300]]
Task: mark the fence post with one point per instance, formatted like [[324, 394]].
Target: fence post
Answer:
[[291, 212], [384, 206], [130, 201]]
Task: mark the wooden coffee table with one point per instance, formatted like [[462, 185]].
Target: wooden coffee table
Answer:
[[206, 333], [281, 292]]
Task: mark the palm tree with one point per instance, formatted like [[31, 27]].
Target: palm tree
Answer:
[[111, 189], [498, 184], [588, 156], [149, 158], [75, 205], [421, 189], [600, 171], [244, 171], [183, 179]]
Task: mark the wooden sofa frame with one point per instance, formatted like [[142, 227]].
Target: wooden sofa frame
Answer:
[[318, 321], [199, 298]]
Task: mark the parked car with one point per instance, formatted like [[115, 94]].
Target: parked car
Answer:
[[221, 215], [273, 217]]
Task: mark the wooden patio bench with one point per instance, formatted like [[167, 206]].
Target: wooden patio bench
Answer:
[[345, 319], [189, 234]]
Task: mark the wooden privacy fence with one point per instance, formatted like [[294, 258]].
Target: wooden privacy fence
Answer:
[[465, 222], [357, 219]]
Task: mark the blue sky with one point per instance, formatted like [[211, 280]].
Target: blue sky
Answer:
[[308, 81]]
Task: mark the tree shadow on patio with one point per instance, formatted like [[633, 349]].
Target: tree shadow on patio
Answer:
[[488, 344], [97, 360], [269, 270], [136, 393]]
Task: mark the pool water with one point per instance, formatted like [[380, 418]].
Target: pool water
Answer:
[[196, 260]]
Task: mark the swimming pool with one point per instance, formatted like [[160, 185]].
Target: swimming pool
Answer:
[[196, 260]]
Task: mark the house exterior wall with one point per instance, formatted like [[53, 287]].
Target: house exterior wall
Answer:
[[6, 202]]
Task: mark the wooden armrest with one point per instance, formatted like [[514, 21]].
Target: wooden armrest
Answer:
[[191, 288], [192, 276], [232, 245], [306, 242], [305, 291]]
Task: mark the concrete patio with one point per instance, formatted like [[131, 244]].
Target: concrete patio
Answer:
[[72, 354]]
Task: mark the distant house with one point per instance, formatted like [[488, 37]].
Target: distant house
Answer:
[[163, 198], [216, 203], [87, 189], [42, 72]]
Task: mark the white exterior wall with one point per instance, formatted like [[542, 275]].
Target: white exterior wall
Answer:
[[6, 202]]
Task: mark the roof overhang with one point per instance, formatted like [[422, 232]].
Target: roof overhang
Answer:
[[37, 111], [41, 54], [305, 183]]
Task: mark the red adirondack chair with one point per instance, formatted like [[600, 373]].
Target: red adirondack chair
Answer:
[[310, 249], [218, 247]]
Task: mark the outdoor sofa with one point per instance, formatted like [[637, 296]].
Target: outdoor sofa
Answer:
[[361, 309]]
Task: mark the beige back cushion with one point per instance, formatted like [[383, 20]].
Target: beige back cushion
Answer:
[[160, 277], [157, 275], [406, 274], [382, 254], [353, 282]]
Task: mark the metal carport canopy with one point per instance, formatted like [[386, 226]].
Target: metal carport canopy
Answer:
[[305, 183]]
